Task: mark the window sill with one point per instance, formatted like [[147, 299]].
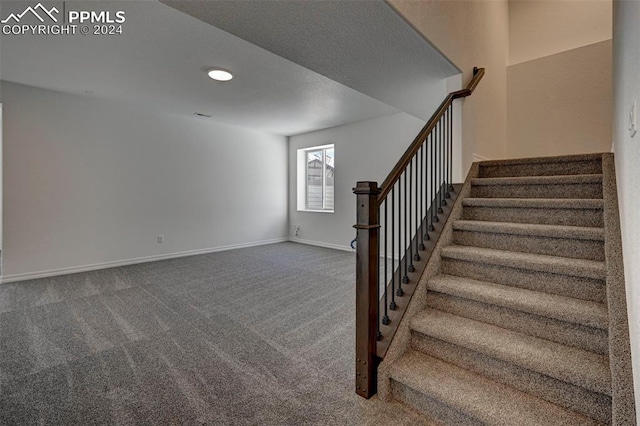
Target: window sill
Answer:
[[315, 211]]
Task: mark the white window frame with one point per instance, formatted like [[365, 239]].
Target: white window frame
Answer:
[[302, 179]]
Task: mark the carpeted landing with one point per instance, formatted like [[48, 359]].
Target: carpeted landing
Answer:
[[258, 336], [517, 324]]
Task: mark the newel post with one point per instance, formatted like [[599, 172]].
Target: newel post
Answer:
[[366, 286]]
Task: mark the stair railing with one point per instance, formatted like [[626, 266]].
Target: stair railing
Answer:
[[393, 223]]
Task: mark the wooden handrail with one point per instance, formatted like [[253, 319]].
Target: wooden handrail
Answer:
[[371, 341], [404, 161]]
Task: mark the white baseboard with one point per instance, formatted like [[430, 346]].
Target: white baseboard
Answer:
[[321, 244], [125, 262], [478, 157]]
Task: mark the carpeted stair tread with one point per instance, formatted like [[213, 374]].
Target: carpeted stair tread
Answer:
[[575, 165], [538, 262], [539, 180], [519, 320], [551, 231], [482, 399], [571, 158], [536, 203], [532, 208], [566, 363], [562, 308]]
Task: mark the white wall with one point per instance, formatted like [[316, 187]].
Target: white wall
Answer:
[[494, 33], [366, 150], [471, 33], [91, 182], [626, 77], [459, 172], [542, 28], [561, 104], [559, 88], [1, 132]]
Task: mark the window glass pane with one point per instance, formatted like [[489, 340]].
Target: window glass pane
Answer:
[[329, 172], [315, 162], [316, 170]]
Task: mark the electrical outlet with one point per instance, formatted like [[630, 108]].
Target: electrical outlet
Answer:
[[160, 239], [297, 230]]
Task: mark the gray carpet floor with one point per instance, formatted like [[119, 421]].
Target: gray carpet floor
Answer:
[[263, 335]]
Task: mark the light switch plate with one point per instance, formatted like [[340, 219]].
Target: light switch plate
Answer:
[[633, 124]]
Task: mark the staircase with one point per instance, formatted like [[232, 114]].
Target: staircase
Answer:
[[524, 321]]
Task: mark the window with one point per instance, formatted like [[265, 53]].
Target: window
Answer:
[[316, 167]]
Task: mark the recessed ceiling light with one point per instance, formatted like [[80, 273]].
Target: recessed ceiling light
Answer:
[[220, 74]]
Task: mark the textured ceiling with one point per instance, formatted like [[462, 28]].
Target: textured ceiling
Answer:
[[160, 63], [364, 45]]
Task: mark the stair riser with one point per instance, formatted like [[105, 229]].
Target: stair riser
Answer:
[[579, 191], [586, 167], [567, 333], [556, 391], [431, 408], [573, 248], [564, 285], [549, 216]]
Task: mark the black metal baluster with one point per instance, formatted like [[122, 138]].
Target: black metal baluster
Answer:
[[446, 148], [416, 228], [451, 150], [440, 166], [420, 218], [401, 248], [427, 154], [435, 173], [385, 317], [409, 223], [378, 332], [443, 144], [438, 161], [444, 159], [432, 198], [445, 190], [403, 252], [427, 188], [447, 144], [392, 305]]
